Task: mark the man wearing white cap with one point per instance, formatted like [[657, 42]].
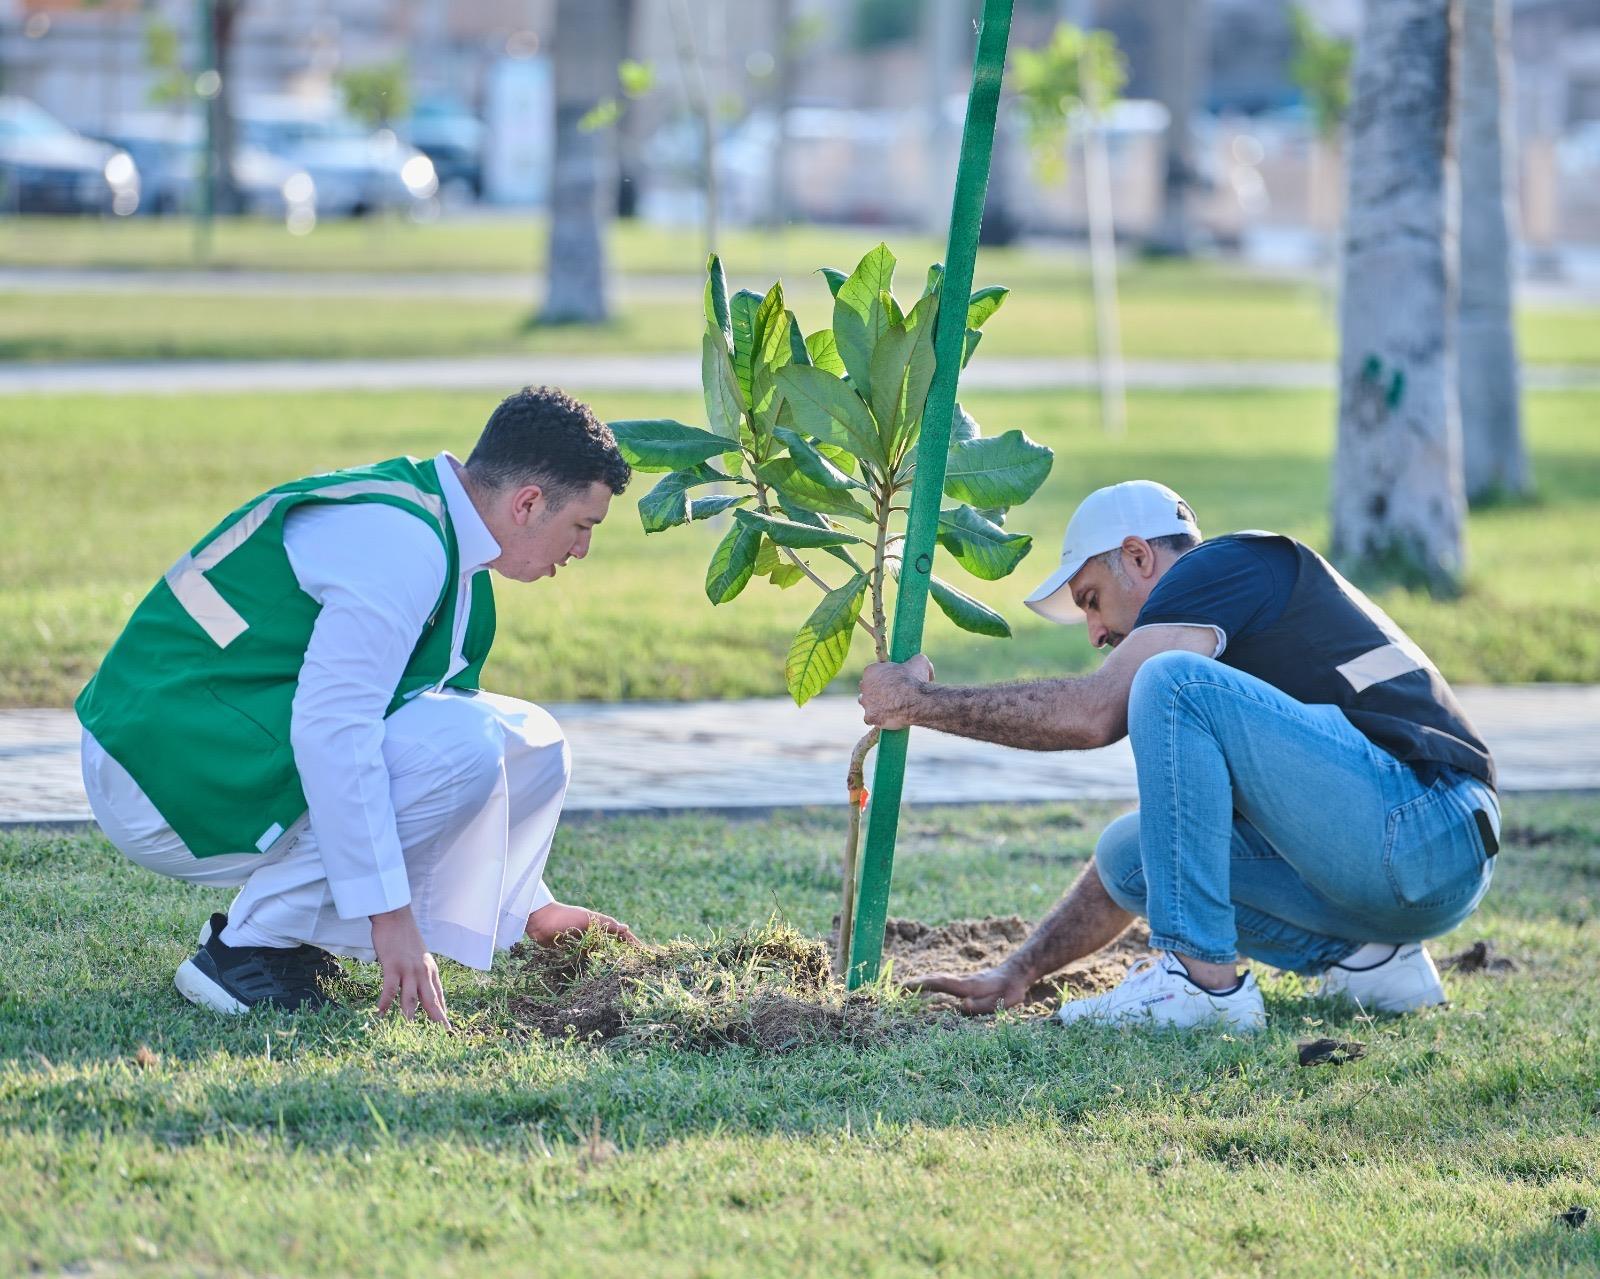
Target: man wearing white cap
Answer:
[[1311, 793]]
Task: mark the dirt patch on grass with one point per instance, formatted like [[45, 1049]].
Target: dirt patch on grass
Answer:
[[769, 989], [971, 945], [1480, 957], [772, 988]]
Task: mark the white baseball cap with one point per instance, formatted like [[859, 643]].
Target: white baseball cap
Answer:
[[1134, 508]]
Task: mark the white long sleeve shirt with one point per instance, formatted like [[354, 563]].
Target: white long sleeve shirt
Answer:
[[377, 571]]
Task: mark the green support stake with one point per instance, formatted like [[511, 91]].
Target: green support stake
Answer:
[[966, 213]]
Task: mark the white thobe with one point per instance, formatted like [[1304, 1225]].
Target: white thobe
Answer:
[[448, 805]]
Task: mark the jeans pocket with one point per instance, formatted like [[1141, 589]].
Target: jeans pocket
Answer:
[[1432, 855]]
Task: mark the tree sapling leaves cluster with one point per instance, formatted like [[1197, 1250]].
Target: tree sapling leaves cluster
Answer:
[[812, 446]]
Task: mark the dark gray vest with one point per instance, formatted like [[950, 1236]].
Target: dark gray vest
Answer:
[[1334, 646]]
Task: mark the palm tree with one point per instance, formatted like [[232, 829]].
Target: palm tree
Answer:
[[1491, 412], [589, 47], [1398, 504]]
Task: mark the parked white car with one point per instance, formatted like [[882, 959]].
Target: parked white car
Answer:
[[356, 171]]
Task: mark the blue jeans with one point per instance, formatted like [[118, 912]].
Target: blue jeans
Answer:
[[1272, 828]]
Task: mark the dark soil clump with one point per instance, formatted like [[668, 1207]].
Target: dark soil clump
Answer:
[[1480, 957]]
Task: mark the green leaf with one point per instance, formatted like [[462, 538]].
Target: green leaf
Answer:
[[902, 369], [667, 504], [794, 533], [703, 508], [935, 280], [812, 461], [724, 404], [824, 407], [812, 520], [985, 302], [743, 308], [963, 427], [795, 485], [786, 575], [717, 299], [660, 444], [980, 546], [772, 338], [768, 557], [834, 278], [822, 644], [1000, 470], [859, 316], [824, 352], [797, 344], [973, 338], [773, 351], [733, 563], [966, 612]]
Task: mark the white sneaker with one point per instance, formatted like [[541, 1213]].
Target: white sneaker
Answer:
[[1158, 992], [1401, 983]]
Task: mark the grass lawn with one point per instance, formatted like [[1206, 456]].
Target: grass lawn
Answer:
[[1166, 314], [141, 1136], [101, 496]]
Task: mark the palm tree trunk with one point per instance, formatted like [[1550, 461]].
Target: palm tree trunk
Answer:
[[1491, 411], [1398, 502], [1180, 50], [587, 52]]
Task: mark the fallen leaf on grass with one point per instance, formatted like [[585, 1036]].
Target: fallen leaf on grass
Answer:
[[1333, 1052], [144, 1058]]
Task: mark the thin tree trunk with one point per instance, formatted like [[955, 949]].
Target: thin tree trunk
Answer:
[[588, 50], [1491, 411], [224, 22], [1398, 502], [783, 94], [1180, 42]]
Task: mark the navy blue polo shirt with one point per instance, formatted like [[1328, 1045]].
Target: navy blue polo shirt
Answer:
[[1237, 586]]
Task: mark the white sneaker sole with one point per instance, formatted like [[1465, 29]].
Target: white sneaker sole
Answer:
[[197, 988]]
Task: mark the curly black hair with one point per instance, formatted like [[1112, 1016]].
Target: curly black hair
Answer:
[[541, 435]]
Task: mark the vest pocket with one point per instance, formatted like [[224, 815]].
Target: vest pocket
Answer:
[[1432, 855], [269, 739]]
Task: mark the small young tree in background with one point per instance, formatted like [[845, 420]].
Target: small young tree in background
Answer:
[[817, 439], [379, 94]]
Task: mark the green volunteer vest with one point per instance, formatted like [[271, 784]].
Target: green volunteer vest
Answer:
[[194, 697]]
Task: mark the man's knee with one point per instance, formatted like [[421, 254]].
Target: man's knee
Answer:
[[1117, 861], [1160, 679]]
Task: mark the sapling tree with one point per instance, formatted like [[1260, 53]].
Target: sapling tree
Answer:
[[811, 454]]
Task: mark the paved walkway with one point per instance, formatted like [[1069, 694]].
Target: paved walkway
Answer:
[[665, 373], [769, 754]]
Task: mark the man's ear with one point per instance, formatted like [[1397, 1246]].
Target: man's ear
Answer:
[[1141, 553], [524, 501]]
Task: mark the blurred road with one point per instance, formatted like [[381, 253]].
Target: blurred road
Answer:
[[646, 373], [768, 753]]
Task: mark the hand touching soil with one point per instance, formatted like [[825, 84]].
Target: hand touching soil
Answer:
[[982, 992]]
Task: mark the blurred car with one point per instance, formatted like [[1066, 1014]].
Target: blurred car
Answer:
[[356, 171], [452, 137], [167, 150], [45, 167]]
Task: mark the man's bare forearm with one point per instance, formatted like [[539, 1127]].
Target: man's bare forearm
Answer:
[[1080, 923], [1035, 715]]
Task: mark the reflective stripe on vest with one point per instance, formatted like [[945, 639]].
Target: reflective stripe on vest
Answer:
[[1390, 661], [204, 603]]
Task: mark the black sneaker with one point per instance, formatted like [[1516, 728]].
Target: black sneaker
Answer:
[[326, 966], [235, 979]]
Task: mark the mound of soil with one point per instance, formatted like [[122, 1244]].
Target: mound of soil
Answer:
[[771, 988], [768, 989], [971, 945]]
